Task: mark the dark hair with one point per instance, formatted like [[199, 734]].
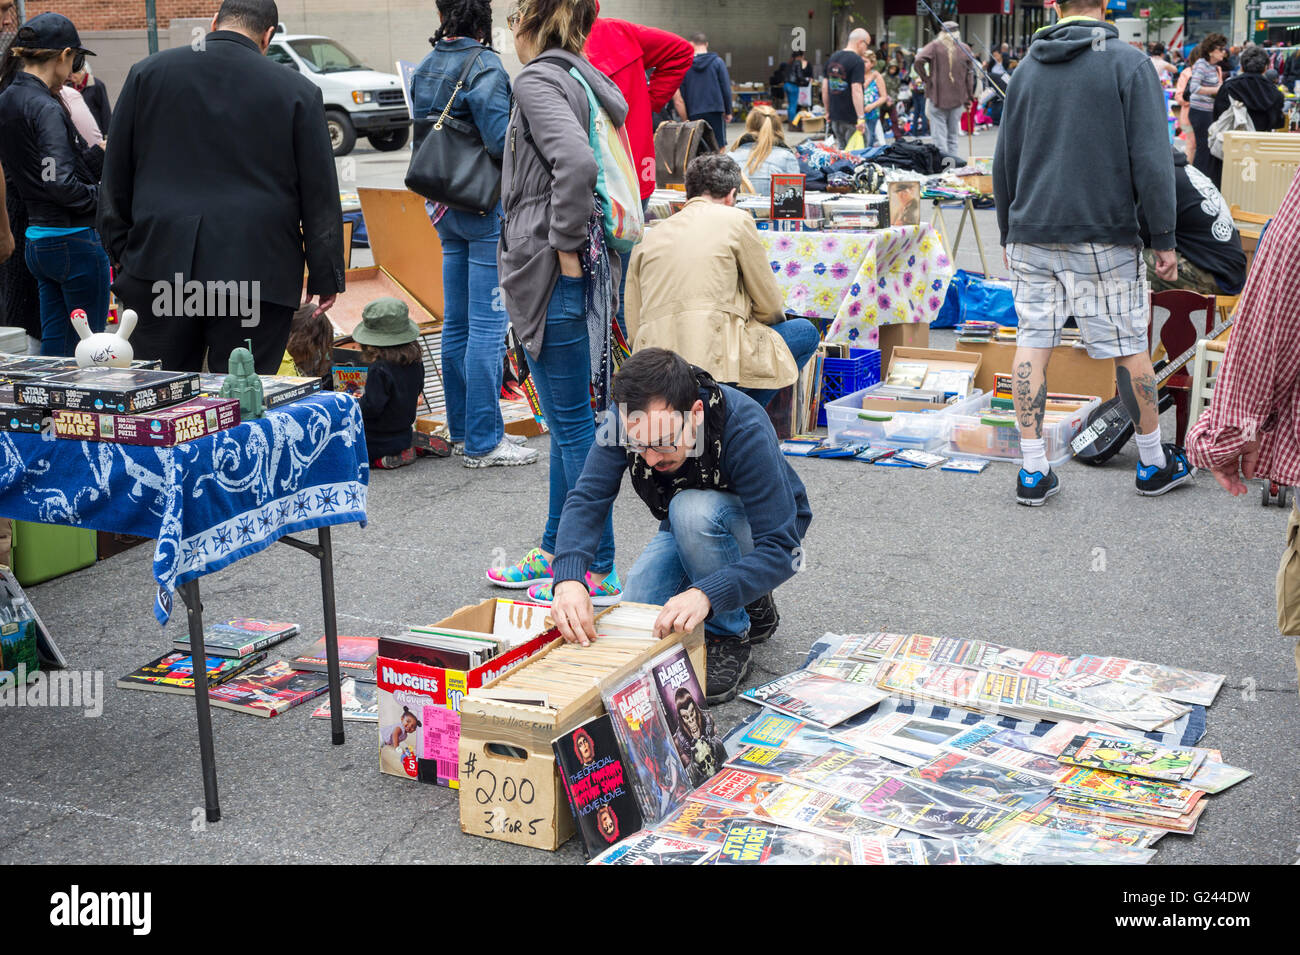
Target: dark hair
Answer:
[[557, 24], [255, 16], [682, 697], [16, 55], [1253, 60], [655, 374], [1212, 42], [712, 174], [407, 354], [699, 39], [1157, 49], [471, 18]]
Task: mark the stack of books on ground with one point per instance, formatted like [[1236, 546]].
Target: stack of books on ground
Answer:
[[824, 775], [238, 678]]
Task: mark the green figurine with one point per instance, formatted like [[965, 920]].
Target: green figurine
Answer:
[[242, 383]]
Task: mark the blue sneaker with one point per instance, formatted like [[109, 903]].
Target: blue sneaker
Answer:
[[1153, 481], [1035, 487]]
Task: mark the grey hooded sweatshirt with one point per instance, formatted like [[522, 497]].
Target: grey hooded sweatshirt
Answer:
[[1084, 138], [546, 207]]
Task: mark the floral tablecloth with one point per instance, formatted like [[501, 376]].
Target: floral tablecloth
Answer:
[[861, 280]]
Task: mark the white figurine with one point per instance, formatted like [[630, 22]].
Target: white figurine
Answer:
[[104, 349]]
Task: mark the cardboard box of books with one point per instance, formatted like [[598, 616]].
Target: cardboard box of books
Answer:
[[512, 786], [424, 674], [930, 372]]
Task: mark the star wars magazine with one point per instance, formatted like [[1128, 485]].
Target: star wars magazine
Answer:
[[737, 788], [965, 775], [751, 843], [929, 812], [694, 732], [815, 698], [653, 848], [656, 773], [595, 780], [1174, 683]]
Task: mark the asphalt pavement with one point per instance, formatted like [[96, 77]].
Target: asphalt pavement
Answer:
[[1185, 579]]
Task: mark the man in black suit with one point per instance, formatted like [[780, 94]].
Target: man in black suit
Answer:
[[218, 182]]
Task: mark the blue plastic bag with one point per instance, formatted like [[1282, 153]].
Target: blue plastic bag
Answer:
[[973, 297]]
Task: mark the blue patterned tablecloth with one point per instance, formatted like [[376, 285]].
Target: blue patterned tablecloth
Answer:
[[207, 503]]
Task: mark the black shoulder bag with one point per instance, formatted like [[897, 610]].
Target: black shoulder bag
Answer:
[[452, 166]]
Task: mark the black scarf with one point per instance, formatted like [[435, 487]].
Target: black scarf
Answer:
[[701, 472]]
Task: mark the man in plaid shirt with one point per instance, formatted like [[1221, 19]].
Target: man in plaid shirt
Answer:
[[1252, 428]]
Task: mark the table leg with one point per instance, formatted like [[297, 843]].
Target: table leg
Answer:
[[331, 634], [194, 612], [941, 227], [961, 227], [979, 240]]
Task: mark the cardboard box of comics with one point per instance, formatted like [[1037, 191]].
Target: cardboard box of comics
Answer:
[[419, 701], [511, 786]]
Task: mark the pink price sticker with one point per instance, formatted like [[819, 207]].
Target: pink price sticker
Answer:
[[441, 733]]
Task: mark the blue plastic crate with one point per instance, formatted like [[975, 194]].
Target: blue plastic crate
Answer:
[[843, 376]]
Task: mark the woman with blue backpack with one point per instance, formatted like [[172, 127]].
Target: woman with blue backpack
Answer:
[[463, 77], [567, 212]]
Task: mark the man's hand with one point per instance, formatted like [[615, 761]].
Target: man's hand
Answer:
[[682, 614], [1166, 264], [1228, 476], [6, 246], [1005, 262], [571, 610], [325, 303]]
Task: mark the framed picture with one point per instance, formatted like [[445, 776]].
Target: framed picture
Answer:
[[787, 196], [904, 203]]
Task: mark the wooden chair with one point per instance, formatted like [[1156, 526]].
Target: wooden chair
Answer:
[[1176, 332], [1207, 353]]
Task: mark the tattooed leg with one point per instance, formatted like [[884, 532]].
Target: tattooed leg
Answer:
[[1029, 389], [1136, 383]]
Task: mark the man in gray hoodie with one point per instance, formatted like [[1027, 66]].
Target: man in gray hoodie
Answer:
[[1083, 141]]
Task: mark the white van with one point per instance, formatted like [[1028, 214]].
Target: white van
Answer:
[[359, 101]]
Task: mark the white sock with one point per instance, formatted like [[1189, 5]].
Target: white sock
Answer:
[[1149, 449], [1034, 451]]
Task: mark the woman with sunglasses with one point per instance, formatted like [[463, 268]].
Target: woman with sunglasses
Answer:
[[57, 176]]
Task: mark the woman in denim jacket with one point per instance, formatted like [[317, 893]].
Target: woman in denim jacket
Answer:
[[474, 320]]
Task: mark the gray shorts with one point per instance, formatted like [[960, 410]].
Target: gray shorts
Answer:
[[1102, 287]]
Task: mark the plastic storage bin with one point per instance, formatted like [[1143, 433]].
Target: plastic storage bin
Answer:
[[926, 430], [843, 376], [44, 551], [994, 434]]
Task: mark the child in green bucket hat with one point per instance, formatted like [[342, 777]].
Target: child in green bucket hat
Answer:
[[387, 337]]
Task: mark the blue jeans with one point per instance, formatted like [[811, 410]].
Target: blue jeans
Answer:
[[706, 531], [801, 337], [562, 374], [473, 329], [71, 272], [920, 124], [791, 101]]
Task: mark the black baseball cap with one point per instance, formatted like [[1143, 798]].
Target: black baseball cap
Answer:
[[50, 31]]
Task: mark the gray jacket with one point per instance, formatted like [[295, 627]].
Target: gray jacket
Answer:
[[546, 209]]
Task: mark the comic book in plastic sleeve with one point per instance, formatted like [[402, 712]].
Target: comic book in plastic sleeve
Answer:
[[979, 779], [1019, 843], [1053, 815], [740, 788], [1134, 757], [984, 655], [1044, 665], [771, 730], [882, 850], [902, 737], [822, 700], [655, 770], [694, 731], [1116, 701], [850, 671], [1147, 794], [864, 647], [988, 742], [595, 779], [929, 812], [752, 843], [648, 847], [1174, 683], [850, 775], [780, 762], [813, 810], [941, 682], [1184, 824], [1215, 776], [935, 649], [701, 821]]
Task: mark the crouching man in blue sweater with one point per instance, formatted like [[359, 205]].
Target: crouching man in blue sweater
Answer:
[[732, 512]]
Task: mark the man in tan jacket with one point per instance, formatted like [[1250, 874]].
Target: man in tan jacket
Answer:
[[699, 284]]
